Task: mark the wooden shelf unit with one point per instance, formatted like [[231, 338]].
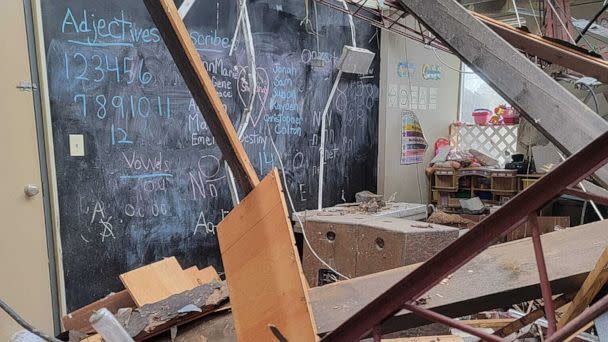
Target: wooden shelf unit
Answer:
[[492, 186]]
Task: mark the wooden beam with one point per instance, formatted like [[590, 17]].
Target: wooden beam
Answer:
[[532, 316], [188, 61], [549, 50], [553, 110], [591, 287]]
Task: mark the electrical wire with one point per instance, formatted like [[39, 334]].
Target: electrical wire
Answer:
[[593, 95], [446, 64], [14, 315], [353, 34], [293, 208], [409, 80]]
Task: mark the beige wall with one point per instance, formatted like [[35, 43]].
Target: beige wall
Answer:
[[393, 177]]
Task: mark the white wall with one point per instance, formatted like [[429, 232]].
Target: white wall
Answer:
[[393, 177]]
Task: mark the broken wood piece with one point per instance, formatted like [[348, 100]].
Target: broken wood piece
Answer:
[[490, 323], [591, 287], [152, 319], [93, 338], [263, 272], [79, 319], [177, 39], [532, 316], [157, 281]]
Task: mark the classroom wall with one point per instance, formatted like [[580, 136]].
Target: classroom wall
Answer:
[[395, 49]]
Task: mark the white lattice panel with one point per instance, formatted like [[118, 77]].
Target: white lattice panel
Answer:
[[494, 141]]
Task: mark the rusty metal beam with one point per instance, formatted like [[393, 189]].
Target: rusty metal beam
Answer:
[[586, 196], [435, 317], [545, 285], [514, 212]]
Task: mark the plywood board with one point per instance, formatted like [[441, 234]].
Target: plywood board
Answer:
[[263, 273], [157, 281], [207, 275]]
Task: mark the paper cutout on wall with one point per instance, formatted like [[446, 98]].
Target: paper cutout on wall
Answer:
[[422, 98], [404, 102], [431, 72], [433, 92], [413, 143], [405, 69]]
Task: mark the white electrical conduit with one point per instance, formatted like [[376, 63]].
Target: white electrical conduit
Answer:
[[517, 12], [243, 21], [353, 35], [322, 146]]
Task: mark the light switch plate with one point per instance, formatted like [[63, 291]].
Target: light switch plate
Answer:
[[76, 145]]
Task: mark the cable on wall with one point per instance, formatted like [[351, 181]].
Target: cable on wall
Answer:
[[293, 208]]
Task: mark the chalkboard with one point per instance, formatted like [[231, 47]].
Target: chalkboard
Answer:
[[151, 182]]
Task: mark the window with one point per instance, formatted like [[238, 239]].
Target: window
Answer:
[[475, 93]]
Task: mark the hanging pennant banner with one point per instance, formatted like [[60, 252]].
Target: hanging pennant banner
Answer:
[[413, 144]]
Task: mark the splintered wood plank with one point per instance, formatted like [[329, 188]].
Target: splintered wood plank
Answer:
[[157, 281], [264, 276], [188, 61], [591, 287]]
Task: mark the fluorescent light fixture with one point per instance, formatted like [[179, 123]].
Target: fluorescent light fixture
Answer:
[[355, 60]]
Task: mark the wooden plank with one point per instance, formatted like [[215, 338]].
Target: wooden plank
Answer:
[[591, 287], [532, 316], [79, 319], [548, 50], [192, 272], [490, 323], [93, 338], [553, 110], [207, 275], [157, 281], [188, 61], [500, 276], [264, 275]]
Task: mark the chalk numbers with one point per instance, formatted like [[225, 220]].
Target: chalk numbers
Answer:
[[101, 67]]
